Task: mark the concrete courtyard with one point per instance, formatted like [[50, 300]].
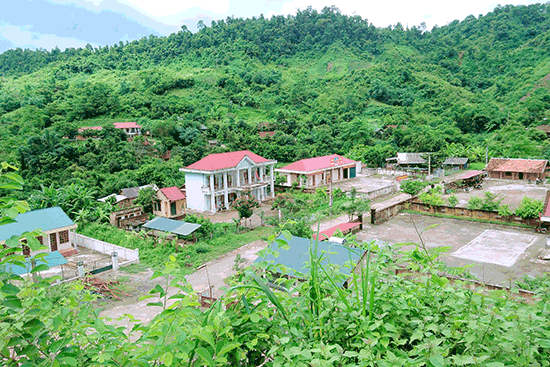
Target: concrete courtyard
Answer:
[[498, 254]]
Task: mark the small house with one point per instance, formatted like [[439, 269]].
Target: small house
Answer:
[[452, 162], [131, 129], [319, 171], [169, 202], [88, 131], [125, 198], [265, 134], [517, 168], [58, 229]]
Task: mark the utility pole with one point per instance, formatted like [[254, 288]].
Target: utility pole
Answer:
[[429, 164], [486, 153]]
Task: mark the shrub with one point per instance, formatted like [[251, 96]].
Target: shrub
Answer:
[[431, 198], [504, 211], [475, 203], [529, 208], [453, 201], [490, 202], [413, 187]]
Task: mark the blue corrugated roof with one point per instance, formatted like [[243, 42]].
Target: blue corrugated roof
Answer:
[[53, 258], [44, 219], [297, 256], [171, 225]]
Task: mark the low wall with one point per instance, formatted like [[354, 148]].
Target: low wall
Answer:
[[383, 211], [106, 248], [476, 214], [370, 195]]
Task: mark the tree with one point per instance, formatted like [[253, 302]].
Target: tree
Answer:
[[475, 203], [453, 201], [145, 199], [412, 187], [244, 206]]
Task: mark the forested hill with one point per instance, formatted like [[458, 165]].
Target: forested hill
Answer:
[[323, 81]]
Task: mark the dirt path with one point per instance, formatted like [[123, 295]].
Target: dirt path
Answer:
[[218, 270]]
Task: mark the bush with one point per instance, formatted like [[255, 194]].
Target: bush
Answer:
[[432, 198], [413, 187], [529, 208], [452, 201], [475, 203], [504, 211]]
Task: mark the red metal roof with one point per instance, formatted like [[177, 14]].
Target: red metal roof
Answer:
[[471, 174], [126, 125], [317, 164], [344, 227], [218, 161], [90, 128], [517, 165], [173, 193]]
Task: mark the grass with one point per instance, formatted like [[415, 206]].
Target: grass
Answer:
[[477, 166], [438, 215]]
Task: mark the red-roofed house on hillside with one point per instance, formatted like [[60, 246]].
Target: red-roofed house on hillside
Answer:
[[517, 169], [130, 128], [87, 132], [215, 181], [169, 202], [319, 171], [264, 134]]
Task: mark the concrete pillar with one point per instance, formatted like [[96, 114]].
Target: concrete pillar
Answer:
[[250, 176], [212, 195], [225, 194], [262, 173], [114, 258], [238, 178], [272, 180], [80, 268]]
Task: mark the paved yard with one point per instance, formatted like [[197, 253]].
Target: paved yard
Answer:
[[364, 183], [496, 253], [511, 191]]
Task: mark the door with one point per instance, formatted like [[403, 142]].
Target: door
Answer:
[[345, 173], [521, 175], [53, 241], [352, 172], [173, 208]]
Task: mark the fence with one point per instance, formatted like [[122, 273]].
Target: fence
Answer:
[[107, 248]]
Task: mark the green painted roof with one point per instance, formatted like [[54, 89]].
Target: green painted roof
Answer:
[[296, 258], [44, 219], [172, 226], [53, 258]]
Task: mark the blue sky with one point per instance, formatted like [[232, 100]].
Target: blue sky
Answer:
[[74, 23]]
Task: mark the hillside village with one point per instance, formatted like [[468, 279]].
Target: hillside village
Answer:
[[304, 190]]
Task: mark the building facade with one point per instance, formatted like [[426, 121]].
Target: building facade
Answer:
[[319, 171], [517, 169], [216, 181], [169, 202], [131, 129]]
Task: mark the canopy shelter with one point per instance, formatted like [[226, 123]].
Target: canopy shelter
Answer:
[[172, 226], [345, 228], [51, 259], [296, 259]]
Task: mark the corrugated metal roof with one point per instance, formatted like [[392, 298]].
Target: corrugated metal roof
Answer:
[[44, 219], [173, 193], [218, 161], [453, 161], [343, 227], [296, 258], [517, 165], [172, 226], [411, 158], [53, 258], [318, 163]]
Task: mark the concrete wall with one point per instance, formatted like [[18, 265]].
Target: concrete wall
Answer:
[[370, 195], [382, 212], [193, 189], [477, 214], [106, 248]]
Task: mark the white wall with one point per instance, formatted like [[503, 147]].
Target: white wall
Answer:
[[193, 191], [106, 248]]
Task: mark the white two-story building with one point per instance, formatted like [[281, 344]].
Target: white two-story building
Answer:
[[214, 182]]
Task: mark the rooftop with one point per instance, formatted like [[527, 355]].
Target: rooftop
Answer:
[[342, 227], [173, 193], [126, 125], [53, 258], [263, 134], [44, 219], [517, 165], [172, 226], [454, 161], [214, 162], [318, 163], [81, 129], [133, 192]]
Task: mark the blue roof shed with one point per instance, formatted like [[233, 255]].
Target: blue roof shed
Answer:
[[51, 259], [172, 226], [44, 219], [297, 258]]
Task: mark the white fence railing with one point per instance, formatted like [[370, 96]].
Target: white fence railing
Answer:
[[106, 248]]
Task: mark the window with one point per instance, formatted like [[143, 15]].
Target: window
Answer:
[[53, 242], [40, 239], [63, 236], [508, 173]]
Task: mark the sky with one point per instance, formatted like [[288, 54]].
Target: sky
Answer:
[[74, 23]]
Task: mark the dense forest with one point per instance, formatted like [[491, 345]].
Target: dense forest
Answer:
[[324, 82]]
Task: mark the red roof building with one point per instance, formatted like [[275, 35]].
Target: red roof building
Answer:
[[84, 128], [319, 171], [517, 169], [130, 128], [264, 134], [216, 181], [169, 202], [220, 161]]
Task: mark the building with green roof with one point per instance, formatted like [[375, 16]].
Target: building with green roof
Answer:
[[57, 227]]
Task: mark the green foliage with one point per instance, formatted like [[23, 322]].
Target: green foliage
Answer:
[[475, 203], [413, 187], [452, 201], [432, 198], [145, 199], [529, 208], [244, 206], [490, 201], [504, 210]]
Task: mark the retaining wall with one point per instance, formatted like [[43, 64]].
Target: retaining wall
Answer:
[[381, 212], [378, 192]]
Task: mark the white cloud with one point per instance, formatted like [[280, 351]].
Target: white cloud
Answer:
[[22, 36]]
